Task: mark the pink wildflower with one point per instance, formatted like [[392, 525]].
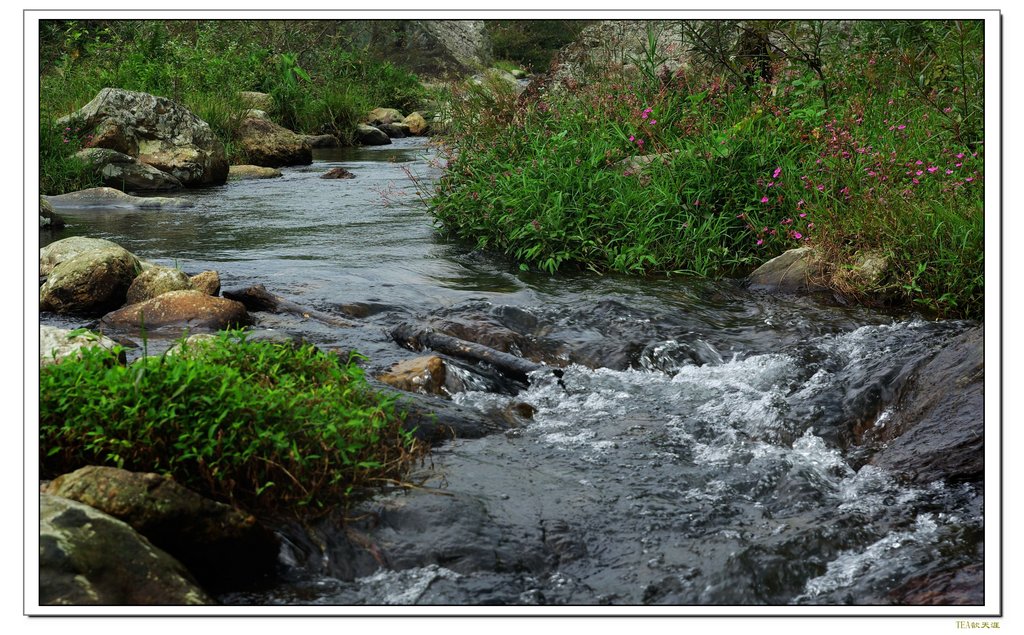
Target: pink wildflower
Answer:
[[764, 199]]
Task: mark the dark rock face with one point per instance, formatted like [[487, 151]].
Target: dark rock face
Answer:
[[89, 558], [961, 587], [158, 132], [938, 429], [269, 145], [220, 545]]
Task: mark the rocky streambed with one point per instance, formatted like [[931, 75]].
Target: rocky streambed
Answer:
[[675, 441]]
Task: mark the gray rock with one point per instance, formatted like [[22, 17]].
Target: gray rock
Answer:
[[89, 283], [380, 116], [790, 272], [416, 123], [267, 144], [109, 197], [323, 141], [394, 130], [56, 344], [220, 545], [157, 281], [253, 99], [249, 172], [125, 173], [157, 131], [89, 558], [370, 136], [57, 252]]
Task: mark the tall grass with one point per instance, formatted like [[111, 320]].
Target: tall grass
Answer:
[[710, 173]]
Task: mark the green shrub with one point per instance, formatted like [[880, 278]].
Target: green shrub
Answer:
[[270, 427]]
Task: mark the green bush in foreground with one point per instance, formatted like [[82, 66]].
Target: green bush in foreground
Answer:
[[269, 427]]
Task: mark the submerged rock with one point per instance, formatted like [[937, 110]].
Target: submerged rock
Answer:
[[87, 557], [180, 309], [220, 545], [337, 173], [421, 374]]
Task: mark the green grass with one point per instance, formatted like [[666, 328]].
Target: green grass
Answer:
[[269, 427], [739, 173]]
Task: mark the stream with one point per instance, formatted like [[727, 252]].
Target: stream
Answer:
[[702, 446]]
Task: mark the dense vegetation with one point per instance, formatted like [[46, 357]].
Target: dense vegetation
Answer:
[[857, 138], [267, 426], [322, 75]]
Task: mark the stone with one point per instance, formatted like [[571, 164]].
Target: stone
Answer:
[[87, 557], [57, 344], [249, 172], [206, 281], [256, 113], [790, 272], [337, 173], [57, 252], [323, 141], [220, 545], [89, 283], [417, 124], [48, 218], [126, 173], [192, 310], [267, 144], [393, 130], [421, 374], [253, 99], [157, 131], [108, 197], [380, 116], [370, 136], [156, 281]]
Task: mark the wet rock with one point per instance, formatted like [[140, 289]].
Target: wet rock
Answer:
[[110, 197], [250, 172], [421, 374], [267, 144], [157, 281], [370, 136], [323, 141], [56, 344], [157, 131], [90, 282], [180, 309], [206, 281], [417, 124], [394, 130], [337, 173], [48, 218], [938, 428], [958, 587], [87, 557], [220, 545], [792, 271], [382, 116], [127, 173]]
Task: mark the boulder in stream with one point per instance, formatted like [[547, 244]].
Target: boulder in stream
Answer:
[[420, 374], [416, 123], [370, 136], [381, 116], [87, 557], [109, 197], [206, 281], [220, 545], [126, 173], [250, 172], [337, 173], [792, 271], [48, 218], [156, 281], [156, 130], [192, 310], [267, 144], [90, 282]]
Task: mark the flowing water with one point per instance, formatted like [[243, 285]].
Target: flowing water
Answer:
[[698, 449]]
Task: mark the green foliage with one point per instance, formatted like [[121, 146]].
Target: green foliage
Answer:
[[532, 43], [60, 170], [714, 171], [267, 426]]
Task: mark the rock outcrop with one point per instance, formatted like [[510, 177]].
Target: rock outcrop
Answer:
[[157, 131], [267, 144]]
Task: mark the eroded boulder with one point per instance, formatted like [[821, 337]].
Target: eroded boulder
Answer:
[[158, 132], [220, 545], [91, 282], [87, 557], [267, 144], [192, 310], [156, 281], [126, 173]]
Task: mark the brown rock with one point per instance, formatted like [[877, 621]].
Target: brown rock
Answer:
[[248, 172], [338, 173], [185, 309], [421, 374], [417, 124], [90, 282], [156, 281], [207, 281], [380, 116], [269, 145], [792, 271]]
